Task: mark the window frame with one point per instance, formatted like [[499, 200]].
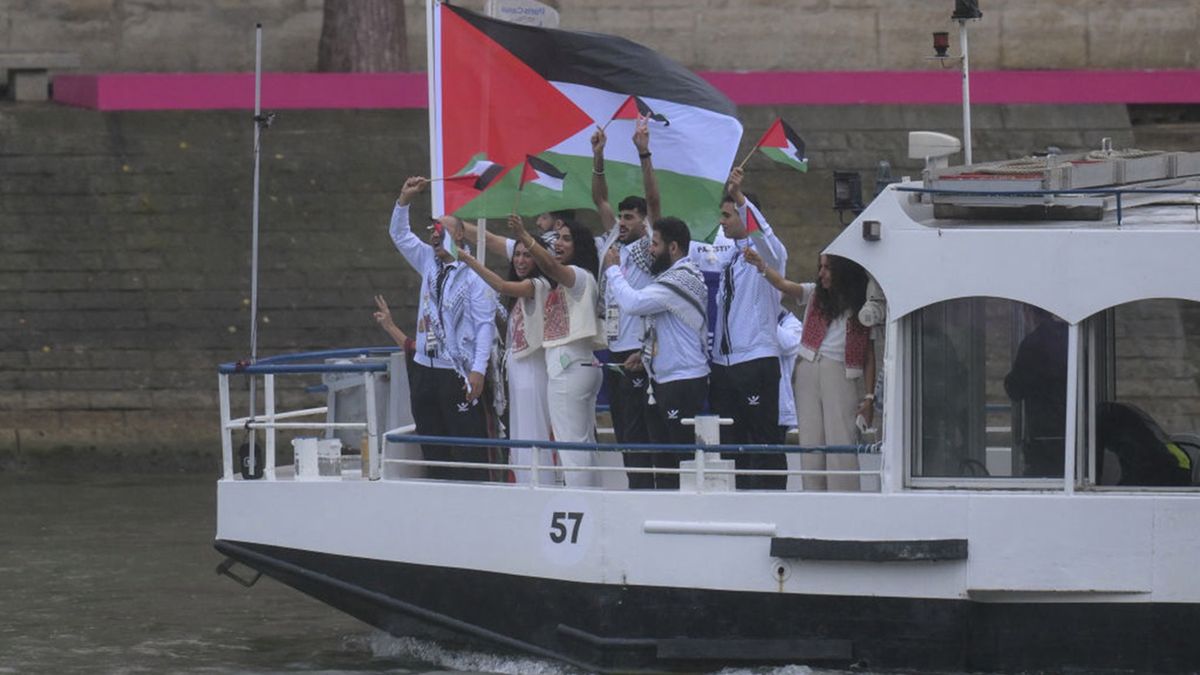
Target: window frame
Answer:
[[911, 371]]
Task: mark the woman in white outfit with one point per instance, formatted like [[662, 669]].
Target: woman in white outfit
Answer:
[[835, 353], [524, 362], [570, 331]]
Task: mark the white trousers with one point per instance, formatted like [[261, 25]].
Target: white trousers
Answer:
[[572, 401], [826, 405], [529, 417]]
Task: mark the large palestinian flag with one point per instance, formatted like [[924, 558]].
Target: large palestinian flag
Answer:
[[507, 91]]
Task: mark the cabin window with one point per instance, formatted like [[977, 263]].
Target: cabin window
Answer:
[[1142, 401], [989, 378]]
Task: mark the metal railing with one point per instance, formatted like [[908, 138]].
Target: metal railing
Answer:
[[706, 464], [707, 458], [270, 419], [1116, 192]]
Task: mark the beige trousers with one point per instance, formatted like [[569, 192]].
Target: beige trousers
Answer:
[[826, 405]]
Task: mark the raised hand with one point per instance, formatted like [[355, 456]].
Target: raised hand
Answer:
[[598, 141], [383, 315], [517, 225], [641, 135], [734, 183], [412, 186]]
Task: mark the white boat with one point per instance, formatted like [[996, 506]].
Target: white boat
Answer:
[[955, 558]]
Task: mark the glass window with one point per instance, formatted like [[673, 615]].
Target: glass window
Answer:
[[990, 390], [1143, 400]]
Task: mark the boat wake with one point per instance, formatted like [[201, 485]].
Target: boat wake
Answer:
[[384, 645]]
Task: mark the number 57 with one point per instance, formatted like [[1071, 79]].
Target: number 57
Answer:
[[558, 526]]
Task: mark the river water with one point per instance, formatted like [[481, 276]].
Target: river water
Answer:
[[115, 574]]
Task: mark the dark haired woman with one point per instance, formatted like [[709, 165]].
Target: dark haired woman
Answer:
[[836, 358], [524, 363], [570, 332]]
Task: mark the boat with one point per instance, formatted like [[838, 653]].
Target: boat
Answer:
[[953, 556]]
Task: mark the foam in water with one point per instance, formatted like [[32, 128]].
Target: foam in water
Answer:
[[384, 645]]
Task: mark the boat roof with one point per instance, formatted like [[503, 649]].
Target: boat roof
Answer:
[[1073, 268]]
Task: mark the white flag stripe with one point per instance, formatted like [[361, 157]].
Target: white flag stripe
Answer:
[[478, 168], [698, 142], [547, 181]]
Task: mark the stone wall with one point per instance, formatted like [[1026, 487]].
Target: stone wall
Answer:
[[124, 239], [173, 35]]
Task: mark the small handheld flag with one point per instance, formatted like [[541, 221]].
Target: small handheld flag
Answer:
[[539, 172], [478, 175], [751, 222], [543, 173], [782, 144], [633, 108]]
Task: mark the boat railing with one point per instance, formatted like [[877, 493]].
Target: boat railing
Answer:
[[707, 464], [1140, 195], [272, 420], [382, 447]]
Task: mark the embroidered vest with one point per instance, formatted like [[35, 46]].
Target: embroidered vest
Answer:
[[566, 319], [815, 327]]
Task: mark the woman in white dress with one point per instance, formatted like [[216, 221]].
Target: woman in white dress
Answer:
[[524, 362], [570, 332]]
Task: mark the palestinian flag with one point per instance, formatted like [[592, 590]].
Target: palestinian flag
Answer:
[[478, 174], [751, 222], [542, 173], [510, 90], [634, 107], [782, 144]]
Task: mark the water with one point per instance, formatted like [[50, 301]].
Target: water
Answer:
[[114, 574]]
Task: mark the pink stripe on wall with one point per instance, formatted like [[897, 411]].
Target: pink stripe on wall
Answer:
[[223, 91], [944, 87], [214, 91]]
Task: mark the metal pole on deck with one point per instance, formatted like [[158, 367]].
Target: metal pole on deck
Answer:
[[258, 127], [966, 89]]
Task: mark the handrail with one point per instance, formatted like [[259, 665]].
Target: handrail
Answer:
[[1040, 193], [287, 363], [863, 448], [1116, 192]]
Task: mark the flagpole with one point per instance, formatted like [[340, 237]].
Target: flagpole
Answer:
[[748, 156], [258, 127], [437, 195]]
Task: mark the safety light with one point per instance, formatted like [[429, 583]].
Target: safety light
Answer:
[[941, 44]]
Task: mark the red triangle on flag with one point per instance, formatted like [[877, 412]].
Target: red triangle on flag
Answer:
[[752, 226], [628, 110], [494, 103], [774, 136]]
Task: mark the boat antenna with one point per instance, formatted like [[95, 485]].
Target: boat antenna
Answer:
[[964, 11], [261, 123]]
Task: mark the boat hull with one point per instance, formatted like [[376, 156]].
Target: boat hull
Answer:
[[622, 627]]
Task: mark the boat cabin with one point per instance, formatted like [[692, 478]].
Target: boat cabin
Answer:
[[1043, 323]]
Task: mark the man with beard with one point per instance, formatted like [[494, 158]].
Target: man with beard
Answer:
[[673, 350], [548, 224], [627, 388], [454, 338]]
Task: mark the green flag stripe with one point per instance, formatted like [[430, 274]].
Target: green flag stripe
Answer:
[[783, 157], [695, 200]]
